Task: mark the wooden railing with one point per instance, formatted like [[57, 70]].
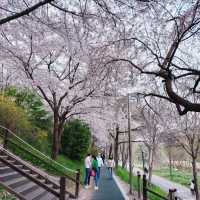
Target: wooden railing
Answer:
[[69, 179], [144, 190]]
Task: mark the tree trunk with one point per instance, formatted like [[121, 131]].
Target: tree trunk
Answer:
[[170, 162], [194, 170], [110, 151], [143, 161], [60, 132], [124, 155], [151, 162], [55, 146], [116, 148]]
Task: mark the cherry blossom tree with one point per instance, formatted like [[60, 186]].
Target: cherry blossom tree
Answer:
[[51, 46], [163, 44], [57, 69], [186, 136], [152, 132]]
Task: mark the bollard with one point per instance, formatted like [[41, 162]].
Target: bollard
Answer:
[[172, 194], [139, 185]]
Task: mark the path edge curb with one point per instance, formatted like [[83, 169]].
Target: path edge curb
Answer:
[[120, 187]]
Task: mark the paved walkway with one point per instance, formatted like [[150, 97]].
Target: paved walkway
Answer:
[[108, 189], [182, 191]]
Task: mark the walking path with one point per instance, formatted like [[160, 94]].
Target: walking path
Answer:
[[108, 189], [182, 191]]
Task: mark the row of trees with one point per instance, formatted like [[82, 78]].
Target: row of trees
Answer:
[[23, 112], [160, 128], [70, 52], [53, 60]]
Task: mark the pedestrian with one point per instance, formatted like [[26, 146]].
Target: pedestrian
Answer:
[[111, 165], [192, 189], [94, 171], [103, 157], [87, 163], [100, 164]]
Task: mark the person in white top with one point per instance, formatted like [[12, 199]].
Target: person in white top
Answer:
[[100, 164], [111, 165], [88, 164]]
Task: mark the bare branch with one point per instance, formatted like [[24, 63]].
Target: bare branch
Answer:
[[24, 12]]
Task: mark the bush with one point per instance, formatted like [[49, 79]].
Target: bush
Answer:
[[33, 105], [16, 119], [12, 116], [75, 140]]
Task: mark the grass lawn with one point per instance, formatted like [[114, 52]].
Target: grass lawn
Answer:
[[48, 165], [72, 164], [124, 175], [179, 176]]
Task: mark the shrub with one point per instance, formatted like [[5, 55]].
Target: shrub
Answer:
[[12, 116], [75, 139], [32, 104], [16, 119]]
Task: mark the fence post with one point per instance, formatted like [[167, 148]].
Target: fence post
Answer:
[[5, 145], [170, 194], [144, 187], [62, 187], [139, 186], [77, 182]]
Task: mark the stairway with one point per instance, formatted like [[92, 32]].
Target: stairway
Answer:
[[24, 181]]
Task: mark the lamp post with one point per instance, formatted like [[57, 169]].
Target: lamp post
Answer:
[[130, 148]]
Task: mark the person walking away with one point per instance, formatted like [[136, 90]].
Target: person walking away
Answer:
[[95, 171], [103, 157], [192, 187], [111, 165], [87, 163], [100, 164]]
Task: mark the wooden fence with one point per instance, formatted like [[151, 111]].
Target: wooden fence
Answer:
[[144, 190]]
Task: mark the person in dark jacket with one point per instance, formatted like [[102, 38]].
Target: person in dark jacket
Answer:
[[103, 157]]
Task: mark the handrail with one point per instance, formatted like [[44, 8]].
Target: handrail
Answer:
[[26, 150], [39, 152]]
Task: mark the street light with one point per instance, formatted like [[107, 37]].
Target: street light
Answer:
[[130, 148], [130, 143]]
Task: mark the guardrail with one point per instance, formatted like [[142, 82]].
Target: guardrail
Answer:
[[69, 178]]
